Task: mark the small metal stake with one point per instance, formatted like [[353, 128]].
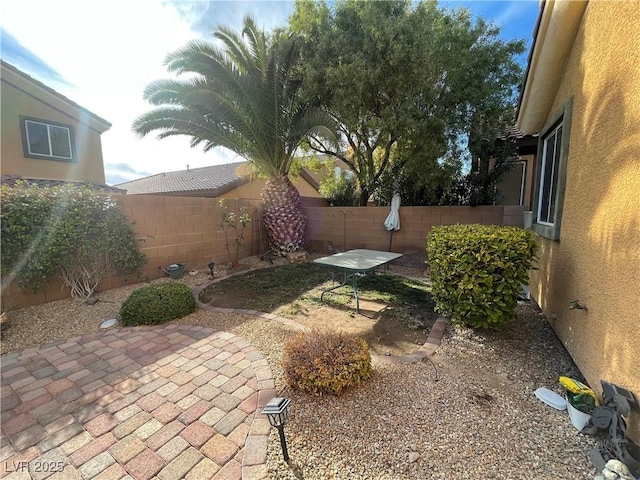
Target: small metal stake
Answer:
[[283, 443]]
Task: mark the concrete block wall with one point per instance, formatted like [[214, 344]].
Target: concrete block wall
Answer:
[[188, 230], [184, 230], [170, 230], [514, 215], [363, 227]]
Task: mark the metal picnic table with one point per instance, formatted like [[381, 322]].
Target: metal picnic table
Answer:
[[355, 264]]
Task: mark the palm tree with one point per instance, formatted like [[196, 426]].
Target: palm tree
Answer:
[[242, 95]]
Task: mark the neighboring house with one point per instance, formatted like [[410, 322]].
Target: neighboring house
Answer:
[[582, 97], [231, 180], [324, 166], [46, 136], [516, 187]]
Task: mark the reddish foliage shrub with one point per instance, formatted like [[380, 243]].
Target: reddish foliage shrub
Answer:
[[320, 363]]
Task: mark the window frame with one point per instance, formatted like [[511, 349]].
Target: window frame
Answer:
[[26, 150], [544, 165], [561, 118], [523, 179]]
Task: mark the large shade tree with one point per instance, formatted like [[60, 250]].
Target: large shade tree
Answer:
[[405, 81], [242, 94]]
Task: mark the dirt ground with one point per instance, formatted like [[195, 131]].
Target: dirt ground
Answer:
[[375, 323], [382, 334], [37, 325]]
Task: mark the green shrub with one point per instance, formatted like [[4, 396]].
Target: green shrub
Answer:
[[71, 232], [477, 271], [157, 303], [320, 363], [341, 191]]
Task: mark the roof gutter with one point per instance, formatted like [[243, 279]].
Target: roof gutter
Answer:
[[536, 28], [554, 34]]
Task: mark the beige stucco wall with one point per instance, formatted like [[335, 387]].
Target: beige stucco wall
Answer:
[[22, 97], [511, 183], [254, 188], [529, 175], [597, 259]]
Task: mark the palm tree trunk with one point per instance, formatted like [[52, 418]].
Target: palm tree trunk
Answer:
[[284, 219]]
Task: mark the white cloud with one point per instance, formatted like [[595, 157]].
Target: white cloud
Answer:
[[511, 11], [203, 15], [110, 51]]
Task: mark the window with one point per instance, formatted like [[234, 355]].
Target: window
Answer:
[[551, 173], [47, 140], [549, 177]]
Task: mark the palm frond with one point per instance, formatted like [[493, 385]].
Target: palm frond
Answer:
[[238, 50], [195, 55], [239, 95], [256, 41]]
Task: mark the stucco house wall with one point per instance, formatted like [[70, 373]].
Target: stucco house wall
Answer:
[[254, 188], [23, 96], [596, 259]]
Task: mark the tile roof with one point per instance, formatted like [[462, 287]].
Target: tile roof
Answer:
[[514, 132], [11, 181], [214, 179]]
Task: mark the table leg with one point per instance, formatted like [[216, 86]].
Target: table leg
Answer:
[[344, 282], [355, 291], [355, 278]]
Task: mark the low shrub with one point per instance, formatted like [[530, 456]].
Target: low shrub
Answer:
[[477, 271], [321, 363], [75, 233], [157, 304]]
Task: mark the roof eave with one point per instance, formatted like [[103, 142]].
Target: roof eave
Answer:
[[306, 175], [60, 102], [556, 29]]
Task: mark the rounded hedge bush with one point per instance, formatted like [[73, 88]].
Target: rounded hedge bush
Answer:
[[477, 271], [320, 363], [157, 303]]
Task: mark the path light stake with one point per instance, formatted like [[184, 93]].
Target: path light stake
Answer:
[[276, 411], [211, 265]]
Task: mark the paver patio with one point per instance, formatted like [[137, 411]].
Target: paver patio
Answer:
[[166, 402]]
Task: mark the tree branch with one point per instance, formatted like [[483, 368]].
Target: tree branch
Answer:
[[324, 150]]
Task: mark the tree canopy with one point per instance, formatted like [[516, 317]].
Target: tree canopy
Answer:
[[406, 83], [242, 93]]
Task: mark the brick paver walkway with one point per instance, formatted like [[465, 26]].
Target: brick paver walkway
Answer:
[[167, 402]]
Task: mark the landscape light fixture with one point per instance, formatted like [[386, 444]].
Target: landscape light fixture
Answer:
[[211, 265], [276, 411]]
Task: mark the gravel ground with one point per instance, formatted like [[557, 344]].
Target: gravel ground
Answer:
[[477, 419], [59, 320], [470, 414]]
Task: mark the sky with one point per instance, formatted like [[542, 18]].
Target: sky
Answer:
[[101, 55]]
